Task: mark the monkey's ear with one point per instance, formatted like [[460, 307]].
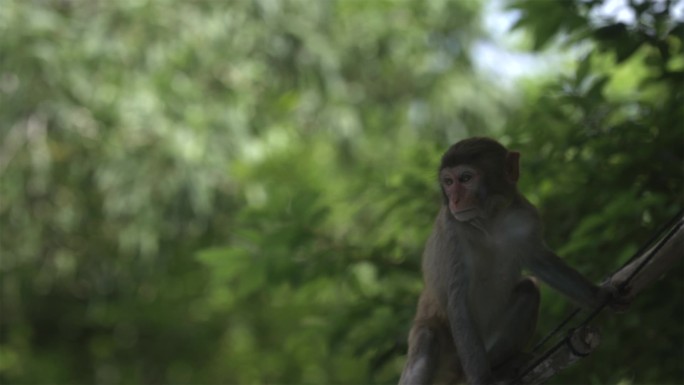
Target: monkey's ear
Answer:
[[513, 166]]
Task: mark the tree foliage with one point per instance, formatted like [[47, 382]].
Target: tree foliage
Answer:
[[239, 192], [607, 170]]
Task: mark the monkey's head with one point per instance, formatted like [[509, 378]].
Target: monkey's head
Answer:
[[478, 177]]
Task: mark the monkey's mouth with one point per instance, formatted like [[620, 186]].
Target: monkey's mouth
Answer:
[[466, 214]]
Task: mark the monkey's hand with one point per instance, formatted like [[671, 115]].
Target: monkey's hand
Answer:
[[615, 297]]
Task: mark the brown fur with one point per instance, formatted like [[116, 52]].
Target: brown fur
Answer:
[[477, 311]]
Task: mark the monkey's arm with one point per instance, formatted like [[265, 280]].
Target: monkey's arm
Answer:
[[523, 232], [469, 344], [546, 265]]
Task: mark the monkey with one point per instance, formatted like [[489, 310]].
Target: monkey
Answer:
[[477, 311]]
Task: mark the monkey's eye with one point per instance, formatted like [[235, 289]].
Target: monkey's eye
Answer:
[[448, 181], [465, 177]]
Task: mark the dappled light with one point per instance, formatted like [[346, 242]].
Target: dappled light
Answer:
[[239, 192]]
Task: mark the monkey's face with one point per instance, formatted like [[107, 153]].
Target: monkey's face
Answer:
[[461, 186]]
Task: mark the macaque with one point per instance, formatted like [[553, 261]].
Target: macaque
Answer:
[[477, 312]]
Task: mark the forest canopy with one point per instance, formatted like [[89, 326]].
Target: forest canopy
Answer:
[[234, 192]]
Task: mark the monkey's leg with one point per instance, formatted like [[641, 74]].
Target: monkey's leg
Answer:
[[517, 323], [423, 355]]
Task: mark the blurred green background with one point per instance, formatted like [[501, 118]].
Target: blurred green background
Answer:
[[238, 192]]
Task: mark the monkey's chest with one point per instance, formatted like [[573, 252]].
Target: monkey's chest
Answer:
[[493, 278]]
